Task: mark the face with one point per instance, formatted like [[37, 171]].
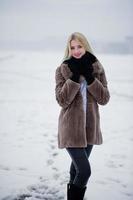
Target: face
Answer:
[[77, 49]]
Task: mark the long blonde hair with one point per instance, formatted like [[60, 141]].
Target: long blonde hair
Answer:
[[79, 37]]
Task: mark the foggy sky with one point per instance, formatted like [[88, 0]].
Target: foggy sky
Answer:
[[33, 20]]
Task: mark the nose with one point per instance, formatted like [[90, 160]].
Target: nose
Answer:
[[76, 50]]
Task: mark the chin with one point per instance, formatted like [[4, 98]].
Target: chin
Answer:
[[78, 56]]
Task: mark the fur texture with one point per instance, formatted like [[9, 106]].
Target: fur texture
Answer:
[[74, 130]]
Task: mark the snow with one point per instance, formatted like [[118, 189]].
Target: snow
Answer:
[[31, 165]]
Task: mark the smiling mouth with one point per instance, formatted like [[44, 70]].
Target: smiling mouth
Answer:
[[78, 55]]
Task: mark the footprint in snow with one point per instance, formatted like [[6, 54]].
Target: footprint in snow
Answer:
[[50, 162], [4, 168]]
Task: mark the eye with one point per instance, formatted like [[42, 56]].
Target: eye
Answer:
[[79, 46], [72, 48]]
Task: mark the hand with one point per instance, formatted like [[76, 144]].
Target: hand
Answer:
[[73, 65], [86, 68], [87, 71], [82, 66]]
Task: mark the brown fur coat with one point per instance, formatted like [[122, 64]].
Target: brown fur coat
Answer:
[[74, 130]]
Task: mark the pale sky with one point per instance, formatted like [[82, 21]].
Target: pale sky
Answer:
[[37, 19]]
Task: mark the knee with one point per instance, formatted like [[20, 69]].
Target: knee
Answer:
[[88, 172], [85, 173]]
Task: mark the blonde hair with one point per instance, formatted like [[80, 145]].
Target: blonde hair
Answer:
[[79, 37]]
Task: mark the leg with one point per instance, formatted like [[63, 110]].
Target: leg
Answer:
[[80, 165], [72, 173], [88, 150]]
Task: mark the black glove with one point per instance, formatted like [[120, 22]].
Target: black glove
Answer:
[[82, 66], [73, 65], [75, 77], [86, 68], [87, 72]]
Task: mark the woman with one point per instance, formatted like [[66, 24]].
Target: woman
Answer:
[[80, 86]]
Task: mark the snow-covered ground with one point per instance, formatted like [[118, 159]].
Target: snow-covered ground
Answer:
[[31, 165]]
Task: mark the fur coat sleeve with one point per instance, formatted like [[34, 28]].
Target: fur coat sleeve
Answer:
[[98, 89], [65, 90]]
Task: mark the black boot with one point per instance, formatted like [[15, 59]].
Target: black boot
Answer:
[[74, 192]]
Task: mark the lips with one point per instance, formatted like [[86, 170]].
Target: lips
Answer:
[[77, 55]]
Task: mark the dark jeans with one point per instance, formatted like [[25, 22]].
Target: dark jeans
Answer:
[[80, 169]]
